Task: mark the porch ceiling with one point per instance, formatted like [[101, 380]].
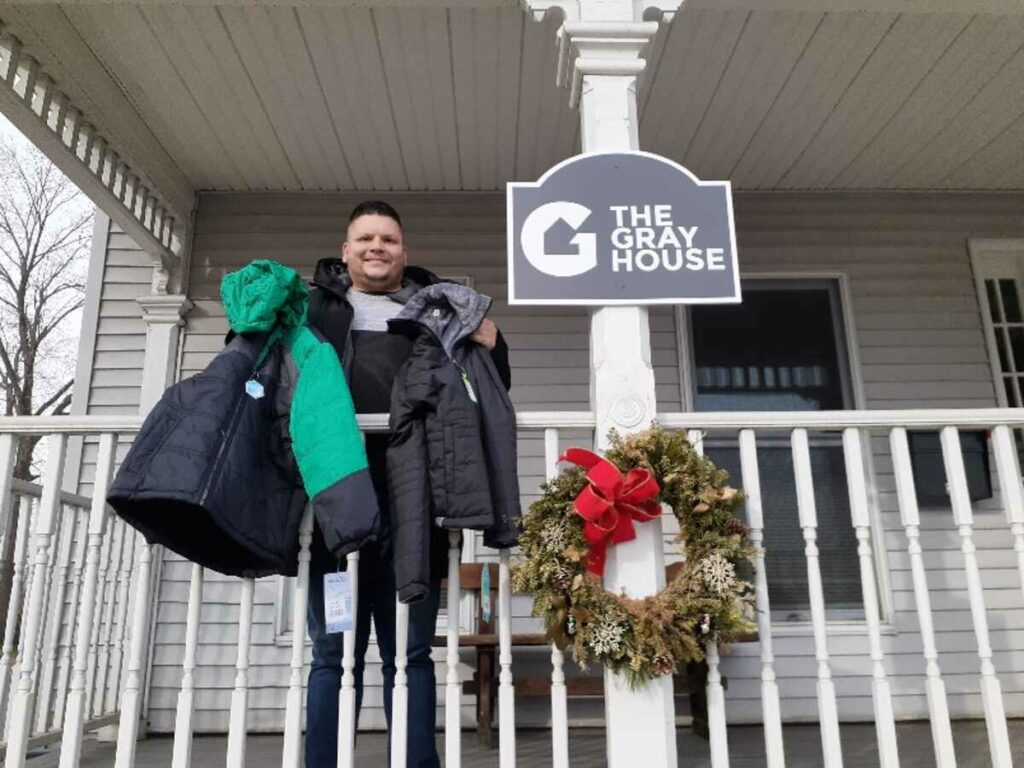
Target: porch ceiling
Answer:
[[322, 97]]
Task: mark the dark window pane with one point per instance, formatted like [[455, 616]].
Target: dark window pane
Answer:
[[1011, 306], [1004, 355], [785, 562], [776, 351], [1017, 344], [1011, 394], [993, 301], [1018, 436]]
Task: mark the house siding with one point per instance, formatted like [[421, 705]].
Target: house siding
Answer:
[[113, 368], [918, 342]]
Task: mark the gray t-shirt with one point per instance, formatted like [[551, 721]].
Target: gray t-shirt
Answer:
[[372, 310]]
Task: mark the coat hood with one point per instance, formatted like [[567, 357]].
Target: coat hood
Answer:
[[448, 310], [262, 295]]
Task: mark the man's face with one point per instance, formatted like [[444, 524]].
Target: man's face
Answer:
[[374, 253]]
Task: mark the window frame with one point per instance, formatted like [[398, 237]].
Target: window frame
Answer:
[[854, 399], [1000, 250]]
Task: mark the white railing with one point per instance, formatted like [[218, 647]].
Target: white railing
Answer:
[[74, 644], [855, 427], [64, 627]]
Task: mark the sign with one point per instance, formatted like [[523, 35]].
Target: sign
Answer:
[[621, 228]]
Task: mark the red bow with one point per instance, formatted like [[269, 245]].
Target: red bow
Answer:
[[610, 503]]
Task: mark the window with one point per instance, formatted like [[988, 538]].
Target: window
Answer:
[[784, 349], [999, 276]]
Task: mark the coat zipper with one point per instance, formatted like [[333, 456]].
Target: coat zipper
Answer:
[[215, 467]]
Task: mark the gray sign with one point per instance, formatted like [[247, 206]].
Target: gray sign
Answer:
[[621, 228]]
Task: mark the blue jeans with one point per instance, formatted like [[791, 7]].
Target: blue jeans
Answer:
[[376, 599]]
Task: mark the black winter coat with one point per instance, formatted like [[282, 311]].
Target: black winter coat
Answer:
[[211, 474], [452, 453]]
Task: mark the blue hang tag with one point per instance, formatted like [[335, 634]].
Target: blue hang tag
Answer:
[[254, 389], [338, 611], [485, 595]]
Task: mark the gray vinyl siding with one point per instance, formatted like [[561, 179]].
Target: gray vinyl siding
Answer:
[[114, 368], [918, 339]]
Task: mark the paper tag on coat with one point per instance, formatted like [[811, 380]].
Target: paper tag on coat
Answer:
[[254, 389], [469, 387], [338, 613]]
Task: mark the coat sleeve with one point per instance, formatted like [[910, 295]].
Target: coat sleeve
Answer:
[[413, 399], [500, 357], [329, 449]]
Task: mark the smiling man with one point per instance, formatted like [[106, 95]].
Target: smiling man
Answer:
[[352, 300]]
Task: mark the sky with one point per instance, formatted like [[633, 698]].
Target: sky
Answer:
[[58, 366]]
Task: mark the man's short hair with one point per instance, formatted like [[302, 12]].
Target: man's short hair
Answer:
[[374, 208]]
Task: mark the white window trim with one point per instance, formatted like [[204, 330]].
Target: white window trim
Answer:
[[883, 579], [980, 249]]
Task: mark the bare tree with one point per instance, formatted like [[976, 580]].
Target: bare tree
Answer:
[[44, 239]]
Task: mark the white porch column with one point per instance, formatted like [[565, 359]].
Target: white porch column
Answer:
[[163, 315], [600, 59]]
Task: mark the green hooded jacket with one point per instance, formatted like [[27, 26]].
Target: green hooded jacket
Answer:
[[266, 297]]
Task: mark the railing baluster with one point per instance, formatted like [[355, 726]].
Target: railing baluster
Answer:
[[292, 751], [347, 694], [73, 622], [13, 45], [1010, 489], [9, 507], [182, 753], [120, 651], [48, 630], [400, 693], [59, 581], [240, 696], [75, 709], [559, 697], [29, 83], [453, 689], [991, 691], [23, 509], [101, 657], [19, 652], [771, 710], [21, 712], [131, 696], [885, 721], [506, 691], [935, 688], [106, 555], [828, 715], [46, 98], [718, 734]]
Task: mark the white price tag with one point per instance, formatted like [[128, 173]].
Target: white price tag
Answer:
[[254, 389], [338, 613]]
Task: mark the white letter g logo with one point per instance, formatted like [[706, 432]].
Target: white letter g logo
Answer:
[[536, 227]]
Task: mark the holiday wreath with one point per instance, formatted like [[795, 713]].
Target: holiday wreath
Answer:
[[592, 506]]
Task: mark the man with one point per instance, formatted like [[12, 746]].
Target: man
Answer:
[[352, 300]]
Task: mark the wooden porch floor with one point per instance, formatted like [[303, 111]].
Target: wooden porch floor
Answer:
[[586, 748]]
